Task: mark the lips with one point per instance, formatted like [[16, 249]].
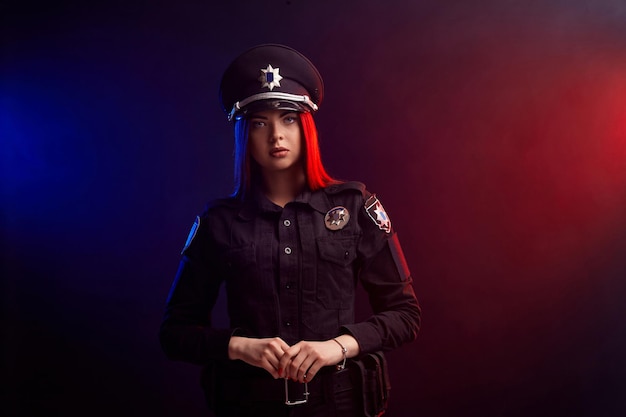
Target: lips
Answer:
[[279, 152]]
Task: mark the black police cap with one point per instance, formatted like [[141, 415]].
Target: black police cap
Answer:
[[270, 76]]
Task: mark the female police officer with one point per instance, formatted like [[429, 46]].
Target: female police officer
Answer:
[[290, 245]]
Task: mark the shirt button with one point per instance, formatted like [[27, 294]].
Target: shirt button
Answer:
[[287, 222], [288, 250], [287, 323], [288, 286]]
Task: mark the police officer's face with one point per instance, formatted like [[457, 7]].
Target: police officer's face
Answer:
[[275, 140]]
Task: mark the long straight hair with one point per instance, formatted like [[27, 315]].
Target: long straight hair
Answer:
[[247, 171]]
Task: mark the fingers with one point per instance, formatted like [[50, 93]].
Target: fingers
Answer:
[[262, 353], [271, 368], [312, 370], [285, 365], [271, 355], [300, 365], [302, 361]]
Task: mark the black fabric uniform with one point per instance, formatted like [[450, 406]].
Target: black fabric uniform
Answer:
[[286, 274]]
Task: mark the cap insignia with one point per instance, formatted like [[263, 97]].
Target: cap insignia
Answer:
[[336, 218], [270, 77]]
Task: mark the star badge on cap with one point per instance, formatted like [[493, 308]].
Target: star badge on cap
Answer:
[[336, 218], [270, 77]]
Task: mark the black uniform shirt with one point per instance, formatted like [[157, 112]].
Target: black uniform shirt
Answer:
[[288, 273]]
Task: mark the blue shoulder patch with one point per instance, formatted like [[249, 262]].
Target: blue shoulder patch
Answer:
[[192, 234]]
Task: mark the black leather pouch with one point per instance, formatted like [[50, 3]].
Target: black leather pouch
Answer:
[[373, 375]]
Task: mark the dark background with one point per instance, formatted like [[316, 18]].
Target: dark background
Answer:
[[494, 132]]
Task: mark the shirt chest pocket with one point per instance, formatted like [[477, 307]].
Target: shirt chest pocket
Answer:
[[239, 264], [335, 271]]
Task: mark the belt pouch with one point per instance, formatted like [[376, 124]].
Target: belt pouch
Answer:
[[374, 387]]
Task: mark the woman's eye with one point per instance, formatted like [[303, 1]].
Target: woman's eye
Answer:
[[290, 119], [257, 123]]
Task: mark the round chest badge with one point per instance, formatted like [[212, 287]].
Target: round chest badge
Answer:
[[336, 218]]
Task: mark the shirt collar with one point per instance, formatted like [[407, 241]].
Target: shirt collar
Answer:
[[258, 202]]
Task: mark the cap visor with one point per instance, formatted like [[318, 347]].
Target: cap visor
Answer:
[[262, 105]]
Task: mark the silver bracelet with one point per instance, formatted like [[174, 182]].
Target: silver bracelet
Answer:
[[341, 365]]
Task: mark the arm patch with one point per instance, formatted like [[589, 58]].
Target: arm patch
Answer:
[[377, 213], [192, 234]]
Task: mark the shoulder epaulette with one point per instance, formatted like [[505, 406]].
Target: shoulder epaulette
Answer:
[[222, 202], [345, 186]]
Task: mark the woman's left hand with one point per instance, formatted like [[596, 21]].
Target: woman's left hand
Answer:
[[302, 361]]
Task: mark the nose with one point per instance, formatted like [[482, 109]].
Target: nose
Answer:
[[276, 133]]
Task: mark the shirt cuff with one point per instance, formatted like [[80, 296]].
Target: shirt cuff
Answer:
[[366, 336]]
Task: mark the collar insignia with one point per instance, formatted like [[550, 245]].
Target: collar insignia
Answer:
[[336, 218], [270, 77]]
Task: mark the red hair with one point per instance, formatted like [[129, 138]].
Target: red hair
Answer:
[[316, 174]]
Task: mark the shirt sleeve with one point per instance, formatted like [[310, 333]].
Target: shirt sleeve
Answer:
[[386, 278], [186, 332]]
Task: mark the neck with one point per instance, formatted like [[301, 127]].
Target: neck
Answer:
[[281, 187]]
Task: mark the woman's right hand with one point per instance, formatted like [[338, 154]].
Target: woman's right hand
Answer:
[[262, 353]]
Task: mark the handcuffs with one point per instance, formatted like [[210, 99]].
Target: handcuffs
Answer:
[[296, 402]]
